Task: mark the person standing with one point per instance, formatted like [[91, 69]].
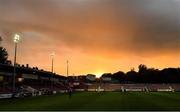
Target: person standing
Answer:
[[70, 92]]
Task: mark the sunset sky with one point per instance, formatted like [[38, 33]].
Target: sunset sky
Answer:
[[96, 36]]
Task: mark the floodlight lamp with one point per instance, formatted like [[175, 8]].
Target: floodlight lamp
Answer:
[[16, 38]]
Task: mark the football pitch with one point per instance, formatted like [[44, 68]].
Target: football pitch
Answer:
[[96, 101]]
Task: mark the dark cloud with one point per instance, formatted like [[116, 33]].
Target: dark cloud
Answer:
[[151, 23]]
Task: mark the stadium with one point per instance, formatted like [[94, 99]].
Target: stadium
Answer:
[[89, 55], [42, 90]]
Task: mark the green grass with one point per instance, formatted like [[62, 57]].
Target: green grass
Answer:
[[97, 101]]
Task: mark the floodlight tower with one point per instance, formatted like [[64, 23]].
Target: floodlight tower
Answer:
[[52, 61], [67, 68], [16, 40], [52, 67]]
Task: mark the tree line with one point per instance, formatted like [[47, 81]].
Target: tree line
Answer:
[[147, 75]]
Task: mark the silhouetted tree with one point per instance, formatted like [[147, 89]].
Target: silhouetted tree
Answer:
[[170, 75], [120, 76], [132, 76], [3, 55], [142, 68]]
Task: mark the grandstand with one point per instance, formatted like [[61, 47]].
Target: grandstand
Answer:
[[30, 80]]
